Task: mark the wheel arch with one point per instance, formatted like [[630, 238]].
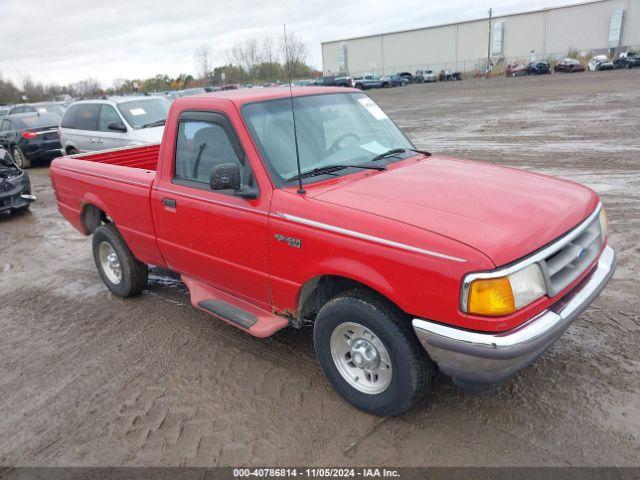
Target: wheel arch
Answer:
[[318, 290], [68, 146], [93, 214], [92, 217]]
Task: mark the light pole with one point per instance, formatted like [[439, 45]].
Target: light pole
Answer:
[[489, 46]]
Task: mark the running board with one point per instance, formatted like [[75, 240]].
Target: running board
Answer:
[[234, 311], [235, 315]]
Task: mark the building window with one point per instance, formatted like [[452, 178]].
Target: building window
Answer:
[[615, 28], [497, 38]]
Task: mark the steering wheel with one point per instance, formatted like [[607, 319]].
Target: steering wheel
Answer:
[[334, 146]]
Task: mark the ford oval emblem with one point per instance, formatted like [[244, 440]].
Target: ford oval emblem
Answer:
[[581, 253]]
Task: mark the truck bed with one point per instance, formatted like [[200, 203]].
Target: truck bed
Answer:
[[145, 157], [118, 182]]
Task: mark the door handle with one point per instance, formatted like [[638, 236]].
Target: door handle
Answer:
[[169, 203], [92, 140], [99, 140]]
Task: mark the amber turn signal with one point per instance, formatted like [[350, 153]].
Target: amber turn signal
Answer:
[[491, 296]]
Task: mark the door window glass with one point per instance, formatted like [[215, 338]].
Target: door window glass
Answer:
[[87, 117], [108, 114], [200, 146], [69, 117]]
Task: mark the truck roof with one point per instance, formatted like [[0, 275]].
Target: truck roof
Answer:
[[250, 95]]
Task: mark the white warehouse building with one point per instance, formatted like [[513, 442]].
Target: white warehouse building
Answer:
[[599, 26]]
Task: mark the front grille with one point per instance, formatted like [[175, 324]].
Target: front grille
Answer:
[[565, 265]]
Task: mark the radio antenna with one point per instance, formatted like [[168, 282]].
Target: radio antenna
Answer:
[[293, 112]]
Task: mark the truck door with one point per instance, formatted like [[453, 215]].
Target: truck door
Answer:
[[212, 235]]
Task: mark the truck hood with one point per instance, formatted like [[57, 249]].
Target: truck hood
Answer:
[[502, 212]]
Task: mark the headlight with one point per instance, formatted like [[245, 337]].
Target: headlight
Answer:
[[505, 295], [604, 224]]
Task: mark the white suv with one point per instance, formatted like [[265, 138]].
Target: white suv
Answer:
[[112, 122], [425, 75]]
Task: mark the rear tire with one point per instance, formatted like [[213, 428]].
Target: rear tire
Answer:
[[20, 159], [370, 353], [120, 271]]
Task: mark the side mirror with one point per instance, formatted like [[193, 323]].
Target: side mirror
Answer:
[[117, 126], [225, 177]]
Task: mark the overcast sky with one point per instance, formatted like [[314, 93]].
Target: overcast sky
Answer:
[[63, 41]]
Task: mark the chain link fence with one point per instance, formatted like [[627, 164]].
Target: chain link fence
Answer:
[[478, 67]]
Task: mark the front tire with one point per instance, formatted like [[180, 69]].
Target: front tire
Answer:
[[120, 271], [20, 158], [370, 354]]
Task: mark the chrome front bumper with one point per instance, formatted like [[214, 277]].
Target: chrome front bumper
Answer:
[[486, 358]]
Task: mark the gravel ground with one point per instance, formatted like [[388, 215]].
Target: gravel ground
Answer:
[[90, 379]]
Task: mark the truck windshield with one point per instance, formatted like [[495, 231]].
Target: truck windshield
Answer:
[[145, 112], [332, 129]]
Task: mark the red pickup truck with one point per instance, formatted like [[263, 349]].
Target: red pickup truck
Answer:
[[282, 210]]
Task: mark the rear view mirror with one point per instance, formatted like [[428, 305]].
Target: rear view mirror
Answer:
[[117, 126], [225, 177]]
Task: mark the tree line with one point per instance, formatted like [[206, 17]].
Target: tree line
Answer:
[[256, 61], [252, 61]]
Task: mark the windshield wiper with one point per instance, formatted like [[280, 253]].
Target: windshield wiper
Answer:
[[157, 123], [395, 151], [332, 168]]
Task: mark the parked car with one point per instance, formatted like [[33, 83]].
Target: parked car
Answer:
[[627, 60], [538, 68], [600, 62], [448, 75], [304, 83], [112, 122], [400, 259], [22, 108], [4, 110], [569, 65], [188, 92], [30, 137], [334, 81], [408, 76], [52, 107], [15, 187], [425, 76], [394, 81], [368, 81], [516, 70]]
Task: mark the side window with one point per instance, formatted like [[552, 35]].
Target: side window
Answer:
[[69, 117], [202, 145], [6, 125], [87, 117], [108, 114]]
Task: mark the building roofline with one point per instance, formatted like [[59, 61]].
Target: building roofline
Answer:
[[448, 24]]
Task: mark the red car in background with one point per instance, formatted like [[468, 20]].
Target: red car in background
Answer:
[[516, 70], [569, 65]]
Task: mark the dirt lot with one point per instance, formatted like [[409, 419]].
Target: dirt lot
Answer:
[[89, 379]]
